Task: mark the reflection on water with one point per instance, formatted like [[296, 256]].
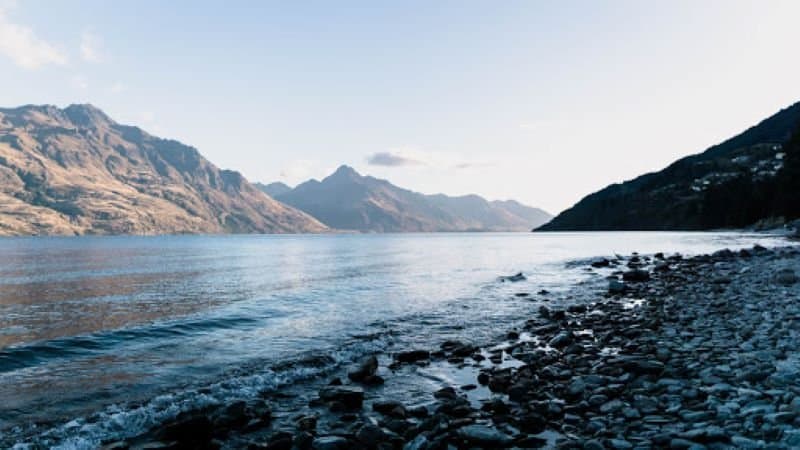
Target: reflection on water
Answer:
[[90, 322]]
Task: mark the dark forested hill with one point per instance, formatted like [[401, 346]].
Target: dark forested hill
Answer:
[[737, 183]]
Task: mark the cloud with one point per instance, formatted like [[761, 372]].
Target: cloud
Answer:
[[413, 157], [390, 159], [23, 47], [91, 47]]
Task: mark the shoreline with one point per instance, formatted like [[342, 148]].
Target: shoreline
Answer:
[[677, 353]]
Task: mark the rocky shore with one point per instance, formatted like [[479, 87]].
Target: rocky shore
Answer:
[[669, 352]]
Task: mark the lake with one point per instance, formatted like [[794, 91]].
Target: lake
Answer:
[[104, 337]]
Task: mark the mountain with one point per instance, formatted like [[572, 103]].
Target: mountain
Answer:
[[737, 183], [76, 171], [273, 189], [349, 201]]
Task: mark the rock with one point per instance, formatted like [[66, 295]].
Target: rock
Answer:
[[418, 443], [620, 444], [643, 366], [280, 441], [631, 413], [484, 436], [307, 423], [531, 423], [366, 368], [412, 356], [661, 267], [188, 428], [349, 397], [390, 408], [562, 339], [232, 416], [576, 388], [371, 435], [616, 287], [577, 309], [742, 442], [331, 443], [593, 444], [513, 278], [636, 275], [611, 407], [303, 441], [602, 262], [780, 417]]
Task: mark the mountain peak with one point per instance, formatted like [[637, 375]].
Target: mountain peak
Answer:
[[86, 114], [344, 172]]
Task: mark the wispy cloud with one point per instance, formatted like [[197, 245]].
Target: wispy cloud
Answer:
[[91, 47], [413, 157], [21, 44], [390, 159]]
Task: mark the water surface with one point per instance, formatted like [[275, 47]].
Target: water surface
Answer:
[[103, 337]]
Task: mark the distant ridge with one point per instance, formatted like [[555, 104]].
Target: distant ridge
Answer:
[[746, 179], [349, 201], [273, 189], [76, 171]]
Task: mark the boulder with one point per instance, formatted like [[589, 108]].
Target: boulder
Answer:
[[365, 369], [636, 275], [412, 356], [350, 397]]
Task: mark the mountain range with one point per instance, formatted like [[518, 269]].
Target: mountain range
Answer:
[[76, 171], [751, 178], [347, 200]]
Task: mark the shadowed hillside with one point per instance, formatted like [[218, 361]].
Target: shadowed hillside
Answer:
[[734, 184]]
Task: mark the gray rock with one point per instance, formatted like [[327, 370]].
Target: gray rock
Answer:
[[483, 435], [366, 368], [371, 435], [350, 397], [611, 407], [616, 287], [562, 339], [330, 443], [621, 444], [593, 444], [413, 356], [636, 275]]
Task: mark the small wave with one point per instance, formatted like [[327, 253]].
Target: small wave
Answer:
[[125, 421], [28, 355]]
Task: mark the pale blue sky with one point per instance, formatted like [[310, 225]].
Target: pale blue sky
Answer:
[[543, 102]]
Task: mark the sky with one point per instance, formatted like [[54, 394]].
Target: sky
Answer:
[[542, 102]]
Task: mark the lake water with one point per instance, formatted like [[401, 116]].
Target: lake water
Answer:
[[104, 337]]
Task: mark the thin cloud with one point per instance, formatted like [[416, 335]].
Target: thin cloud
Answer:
[[389, 159], [20, 44], [91, 47], [429, 160]]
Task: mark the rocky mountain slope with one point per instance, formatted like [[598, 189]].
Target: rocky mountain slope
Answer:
[[737, 183], [349, 201], [76, 171]]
